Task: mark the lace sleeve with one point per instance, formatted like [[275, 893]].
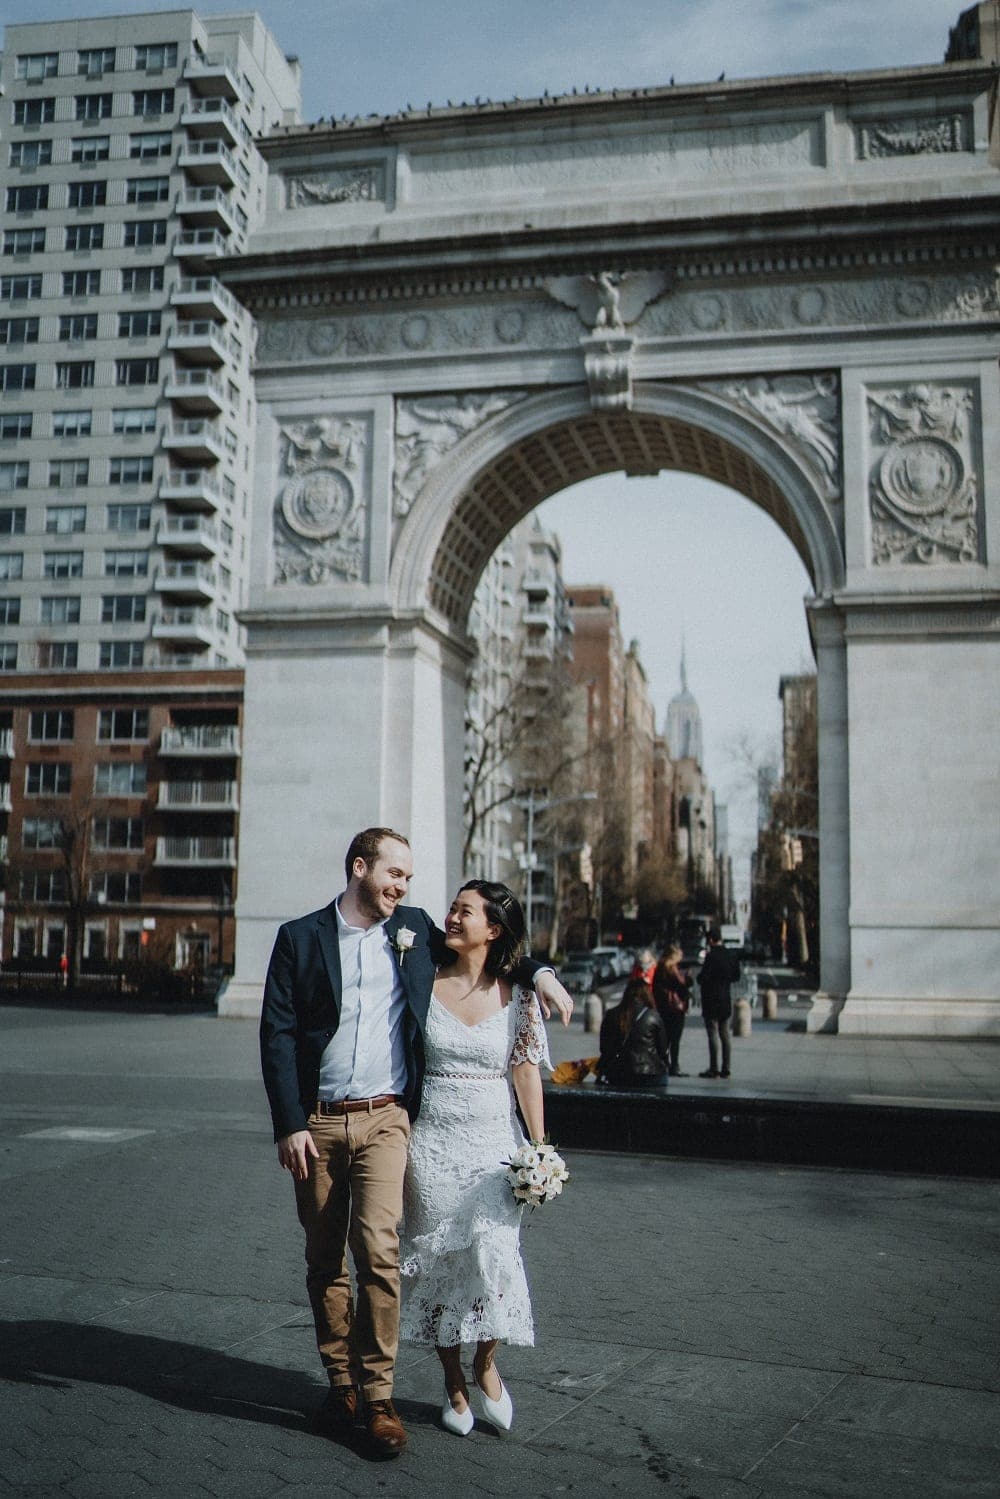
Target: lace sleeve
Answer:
[[531, 1044]]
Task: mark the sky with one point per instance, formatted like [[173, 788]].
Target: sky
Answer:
[[687, 556]]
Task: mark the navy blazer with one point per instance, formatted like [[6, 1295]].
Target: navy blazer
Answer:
[[301, 1010]]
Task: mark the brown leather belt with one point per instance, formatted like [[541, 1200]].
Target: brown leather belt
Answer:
[[356, 1105]]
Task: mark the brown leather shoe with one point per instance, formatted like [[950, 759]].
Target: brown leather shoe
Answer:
[[339, 1412], [386, 1435]]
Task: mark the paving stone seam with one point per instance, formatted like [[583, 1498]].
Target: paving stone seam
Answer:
[[787, 1436]]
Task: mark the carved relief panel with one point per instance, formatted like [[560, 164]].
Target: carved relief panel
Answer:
[[803, 410], [923, 477], [321, 508], [428, 427]]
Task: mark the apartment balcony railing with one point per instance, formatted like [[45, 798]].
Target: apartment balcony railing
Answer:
[[191, 580], [203, 853], [196, 390], [211, 74], [203, 296], [186, 626], [200, 246], [195, 535], [208, 161], [200, 739], [207, 205], [191, 488], [201, 442], [211, 117], [7, 744], [5, 802], [198, 796], [200, 341]]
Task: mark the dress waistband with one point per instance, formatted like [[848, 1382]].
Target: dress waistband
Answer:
[[472, 1076]]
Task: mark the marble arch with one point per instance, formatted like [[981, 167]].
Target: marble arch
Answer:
[[789, 285]]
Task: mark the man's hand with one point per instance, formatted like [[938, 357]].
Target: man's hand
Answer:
[[294, 1151], [553, 996]]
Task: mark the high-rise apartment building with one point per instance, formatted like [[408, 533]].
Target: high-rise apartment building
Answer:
[[128, 169]]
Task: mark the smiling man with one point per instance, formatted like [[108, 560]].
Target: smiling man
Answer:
[[345, 1005]]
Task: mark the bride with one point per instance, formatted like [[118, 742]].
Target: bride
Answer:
[[463, 1279]]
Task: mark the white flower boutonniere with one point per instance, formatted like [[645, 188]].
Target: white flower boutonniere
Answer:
[[403, 940]]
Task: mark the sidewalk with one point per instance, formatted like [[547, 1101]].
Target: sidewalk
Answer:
[[704, 1331]]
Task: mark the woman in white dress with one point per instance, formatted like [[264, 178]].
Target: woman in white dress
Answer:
[[463, 1279]]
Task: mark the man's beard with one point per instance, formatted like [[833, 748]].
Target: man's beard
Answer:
[[368, 898]]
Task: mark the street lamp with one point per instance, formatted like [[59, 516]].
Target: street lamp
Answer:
[[534, 808]]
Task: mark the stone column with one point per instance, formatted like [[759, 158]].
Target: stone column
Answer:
[[827, 627]]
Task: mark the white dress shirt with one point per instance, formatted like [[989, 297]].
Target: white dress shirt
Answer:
[[366, 1057]]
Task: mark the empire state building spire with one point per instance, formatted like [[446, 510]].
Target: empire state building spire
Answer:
[[683, 727]]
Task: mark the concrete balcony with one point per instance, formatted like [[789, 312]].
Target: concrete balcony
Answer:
[[195, 853], [196, 390], [211, 75], [189, 580], [211, 117], [199, 341], [191, 489], [198, 796], [203, 297], [3, 847], [200, 246], [208, 162], [189, 626], [207, 206], [539, 614], [198, 442], [193, 535], [6, 805], [7, 744], [200, 739]]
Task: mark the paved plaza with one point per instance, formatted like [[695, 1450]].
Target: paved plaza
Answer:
[[705, 1330]]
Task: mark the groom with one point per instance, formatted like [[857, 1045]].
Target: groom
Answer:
[[341, 1036]]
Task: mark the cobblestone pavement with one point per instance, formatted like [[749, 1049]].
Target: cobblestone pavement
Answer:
[[705, 1331]]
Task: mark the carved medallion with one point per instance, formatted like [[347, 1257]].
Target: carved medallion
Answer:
[[316, 503], [510, 325], [923, 485], [416, 331], [324, 338], [320, 522]]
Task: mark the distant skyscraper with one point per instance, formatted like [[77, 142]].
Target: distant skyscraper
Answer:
[[684, 721]]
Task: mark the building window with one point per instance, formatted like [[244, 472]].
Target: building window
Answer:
[[133, 419], [8, 655], [94, 60], [67, 473], [143, 324], [34, 111], [156, 55], [72, 423], [11, 566], [95, 941], [153, 101], [17, 425], [81, 283], [137, 371], [118, 724], [143, 278], [57, 655], [65, 520], [93, 106], [12, 518], [62, 564], [14, 475], [117, 888], [45, 887], [131, 470], [60, 610], [24, 242], [85, 237], [32, 67], [48, 724], [27, 197], [119, 655], [120, 778], [147, 189], [30, 154], [123, 608], [20, 288], [47, 778], [76, 327], [129, 518], [91, 148], [10, 611], [124, 564], [148, 145], [145, 232], [18, 330], [118, 833], [76, 374], [41, 832], [87, 195], [17, 377]]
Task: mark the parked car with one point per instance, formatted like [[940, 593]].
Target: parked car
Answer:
[[609, 962], [579, 975]]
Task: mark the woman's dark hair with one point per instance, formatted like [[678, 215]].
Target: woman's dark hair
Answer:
[[503, 909], [635, 997]]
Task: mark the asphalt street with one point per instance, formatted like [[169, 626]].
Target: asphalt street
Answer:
[[704, 1330]]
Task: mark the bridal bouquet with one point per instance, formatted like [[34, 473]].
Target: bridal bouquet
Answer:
[[536, 1173]]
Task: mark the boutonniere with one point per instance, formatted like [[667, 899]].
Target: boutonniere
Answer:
[[403, 940]]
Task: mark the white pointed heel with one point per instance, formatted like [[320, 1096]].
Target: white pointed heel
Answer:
[[500, 1412], [460, 1423]]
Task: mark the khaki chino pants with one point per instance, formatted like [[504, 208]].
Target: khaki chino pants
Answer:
[[354, 1197]]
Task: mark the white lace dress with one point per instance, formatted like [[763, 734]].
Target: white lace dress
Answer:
[[463, 1279]]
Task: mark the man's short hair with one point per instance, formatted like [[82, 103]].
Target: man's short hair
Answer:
[[366, 845]]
